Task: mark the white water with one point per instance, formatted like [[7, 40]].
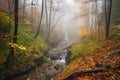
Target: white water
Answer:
[[66, 35], [62, 58]]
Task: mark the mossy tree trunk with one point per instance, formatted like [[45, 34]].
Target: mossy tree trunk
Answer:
[[10, 58]]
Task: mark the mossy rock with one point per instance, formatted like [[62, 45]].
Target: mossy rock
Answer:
[[58, 66]]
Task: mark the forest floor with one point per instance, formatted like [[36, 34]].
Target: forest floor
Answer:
[[108, 55]]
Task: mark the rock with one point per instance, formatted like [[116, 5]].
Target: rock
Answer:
[[55, 53], [68, 60], [58, 66]]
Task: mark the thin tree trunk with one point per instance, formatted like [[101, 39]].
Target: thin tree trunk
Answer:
[[42, 10], [46, 13], [10, 58], [108, 19], [50, 16], [56, 22], [92, 22], [9, 9], [97, 18], [23, 11], [105, 15], [32, 11]]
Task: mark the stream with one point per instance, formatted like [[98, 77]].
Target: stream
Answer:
[[57, 59], [57, 64]]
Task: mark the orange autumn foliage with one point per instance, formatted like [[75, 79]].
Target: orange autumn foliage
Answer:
[[83, 31]]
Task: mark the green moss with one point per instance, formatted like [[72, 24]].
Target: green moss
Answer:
[[27, 40], [5, 25], [24, 38]]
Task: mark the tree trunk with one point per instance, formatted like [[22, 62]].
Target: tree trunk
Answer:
[[41, 17], [49, 25], [10, 58], [46, 13], [32, 10], [81, 73], [92, 22], [23, 11], [97, 16], [108, 19]]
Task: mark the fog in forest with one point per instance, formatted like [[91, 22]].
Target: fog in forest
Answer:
[[67, 18], [59, 39]]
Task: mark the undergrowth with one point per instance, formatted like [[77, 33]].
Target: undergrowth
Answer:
[[84, 48]]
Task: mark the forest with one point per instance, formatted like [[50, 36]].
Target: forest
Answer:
[[59, 39]]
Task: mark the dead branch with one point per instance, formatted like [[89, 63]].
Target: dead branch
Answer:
[[80, 73]]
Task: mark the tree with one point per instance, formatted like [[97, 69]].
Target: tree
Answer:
[[10, 58], [49, 22], [32, 10], [97, 16], [41, 17], [46, 13], [115, 19], [108, 17], [23, 10]]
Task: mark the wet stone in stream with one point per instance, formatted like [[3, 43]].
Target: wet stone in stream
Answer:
[[48, 71]]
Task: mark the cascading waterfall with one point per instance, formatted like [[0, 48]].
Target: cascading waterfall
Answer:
[[65, 35], [65, 42], [62, 57]]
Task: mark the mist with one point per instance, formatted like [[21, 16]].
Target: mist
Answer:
[[69, 16], [57, 39]]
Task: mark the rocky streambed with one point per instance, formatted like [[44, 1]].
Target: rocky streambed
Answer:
[[56, 63]]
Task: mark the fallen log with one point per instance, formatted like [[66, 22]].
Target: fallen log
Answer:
[[39, 61], [81, 73], [86, 72], [17, 74]]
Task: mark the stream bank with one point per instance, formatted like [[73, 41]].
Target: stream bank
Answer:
[[56, 63]]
